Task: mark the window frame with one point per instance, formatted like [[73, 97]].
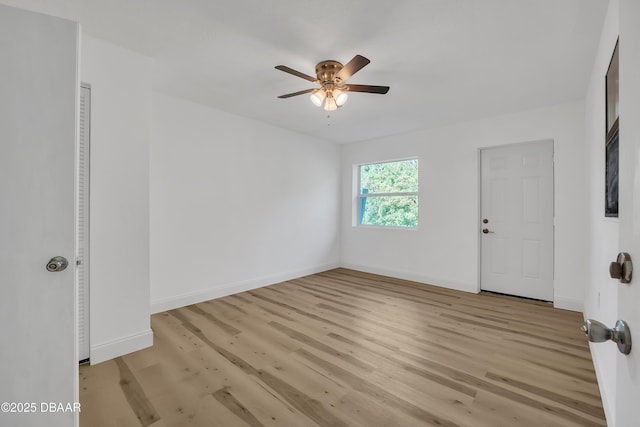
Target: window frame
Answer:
[[359, 196]]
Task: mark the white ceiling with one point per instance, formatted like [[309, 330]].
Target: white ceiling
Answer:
[[446, 61]]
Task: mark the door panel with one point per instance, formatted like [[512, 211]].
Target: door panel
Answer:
[[531, 200], [498, 206], [531, 259], [628, 367], [498, 254], [517, 201], [38, 90]]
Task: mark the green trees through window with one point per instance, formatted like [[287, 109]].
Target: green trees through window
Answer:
[[388, 193]]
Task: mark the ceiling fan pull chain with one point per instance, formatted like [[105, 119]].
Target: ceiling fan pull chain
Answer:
[[328, 119]]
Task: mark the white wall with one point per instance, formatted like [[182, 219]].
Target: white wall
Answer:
[[235, 204], [444, 250], [119, 206], [601, 298]]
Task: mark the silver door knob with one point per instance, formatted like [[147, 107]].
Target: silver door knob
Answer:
[[57, 263], [598, 332], [622, 268]]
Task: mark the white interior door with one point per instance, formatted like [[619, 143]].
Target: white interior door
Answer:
[[38, 104], [517, 220], [628, 367]]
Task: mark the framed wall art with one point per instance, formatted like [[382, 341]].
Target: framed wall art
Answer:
[[611, 140]]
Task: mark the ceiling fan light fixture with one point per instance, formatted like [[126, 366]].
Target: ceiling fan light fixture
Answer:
[[317, 97], [340, 96], [330, 104]]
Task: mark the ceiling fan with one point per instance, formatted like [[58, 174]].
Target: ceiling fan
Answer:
[[332, 77]]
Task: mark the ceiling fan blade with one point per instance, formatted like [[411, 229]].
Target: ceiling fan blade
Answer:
[[296, 73], [302, 92], [368, 89], [356, 64]]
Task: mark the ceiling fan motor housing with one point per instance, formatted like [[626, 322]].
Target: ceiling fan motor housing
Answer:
[[326, 72]]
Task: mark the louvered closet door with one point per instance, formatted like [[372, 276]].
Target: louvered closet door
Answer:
[[82, 258]]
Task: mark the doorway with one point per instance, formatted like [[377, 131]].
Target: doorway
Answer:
[[516, 220]]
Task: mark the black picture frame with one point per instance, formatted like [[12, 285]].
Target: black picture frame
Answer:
[[612, 84], [612, 119]]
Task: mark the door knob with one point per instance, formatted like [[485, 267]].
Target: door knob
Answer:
[[57, 263], [620, 334], [487, 231], [622, 268]]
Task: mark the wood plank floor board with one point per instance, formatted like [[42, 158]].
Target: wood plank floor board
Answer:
[[235, 392], [404, 372], [515, 396], [423, 342], [566, 369], [310, 404], [346, 348], [417, 330], [103, 398], [271, 385], [386, 395], [489, 410], [471, 310], [392, 375], [359, 410], [394, 298], [465, 317]]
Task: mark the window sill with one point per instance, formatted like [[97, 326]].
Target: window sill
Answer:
[[385, 227]]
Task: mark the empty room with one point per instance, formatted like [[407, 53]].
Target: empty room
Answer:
[[292, 213]]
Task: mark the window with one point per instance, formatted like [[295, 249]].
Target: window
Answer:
[[388, 194]]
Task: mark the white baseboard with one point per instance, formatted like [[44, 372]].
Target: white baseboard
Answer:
[[568, 304], [232, 288], [465, 287], [112, 349]]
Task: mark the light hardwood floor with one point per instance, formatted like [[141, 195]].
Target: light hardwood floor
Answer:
[[344, 348]]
